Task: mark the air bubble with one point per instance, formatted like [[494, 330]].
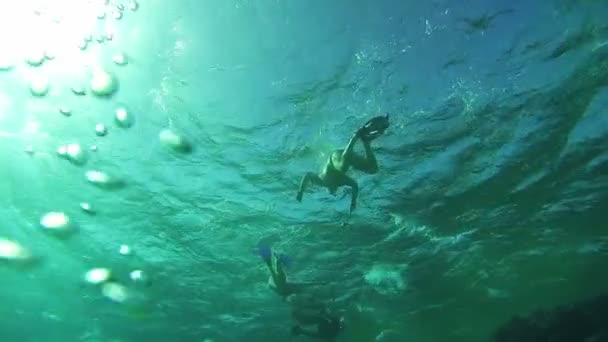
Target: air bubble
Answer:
[[62, 151], [39, 86], [115, 292], [87, 208], [101, 130], [117, 14], [80, 91], [120, 59], [57, 223], [72, 152], [83, 45], [65, 111], [125, 250], [13, 251], [103, 83], [133, 5], [123, 118], [29, 150], [97, 177], [6, 64], [175, 141], [103, 180], [97, 275], [139, 277], [36, 58]]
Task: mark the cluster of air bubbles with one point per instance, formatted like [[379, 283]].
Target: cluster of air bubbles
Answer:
[[111, 287], [103, 278], [102, 84], [73, 153]]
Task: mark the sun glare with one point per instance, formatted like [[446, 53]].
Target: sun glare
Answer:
[[57, 48], [33, 31]]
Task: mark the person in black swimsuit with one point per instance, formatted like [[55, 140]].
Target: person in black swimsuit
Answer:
[[321, 324], [334, 174]]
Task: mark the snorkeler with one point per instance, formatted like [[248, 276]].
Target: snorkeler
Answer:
[[323, 325], [334, 175], [278, 279]]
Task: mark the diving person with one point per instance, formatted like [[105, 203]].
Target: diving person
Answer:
[[334, 174], [278, 279], [322, 325]]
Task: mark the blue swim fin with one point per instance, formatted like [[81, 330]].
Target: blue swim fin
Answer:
[[266, 253], [284, 260]]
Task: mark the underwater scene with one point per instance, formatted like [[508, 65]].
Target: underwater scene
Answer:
[[304, 170]]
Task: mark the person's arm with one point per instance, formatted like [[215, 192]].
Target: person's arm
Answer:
[[308, 177], [353, 199], [354, 192]]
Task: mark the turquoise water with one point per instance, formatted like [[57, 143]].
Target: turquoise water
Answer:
[[489, 201]]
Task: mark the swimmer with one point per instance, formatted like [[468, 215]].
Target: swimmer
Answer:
[[334, 174], [322, 324], [278, 279]]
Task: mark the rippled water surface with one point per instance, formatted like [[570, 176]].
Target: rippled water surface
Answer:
[[490, 200]]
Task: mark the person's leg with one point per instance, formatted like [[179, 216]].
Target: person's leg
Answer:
[[369, 164], [348, 150], [274, 267], [298, 330], [308, 302], [354, 187], [265, 252], [280, 273], [307, 316], [308, 177]]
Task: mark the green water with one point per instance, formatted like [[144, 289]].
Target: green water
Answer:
[[490, 200]]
